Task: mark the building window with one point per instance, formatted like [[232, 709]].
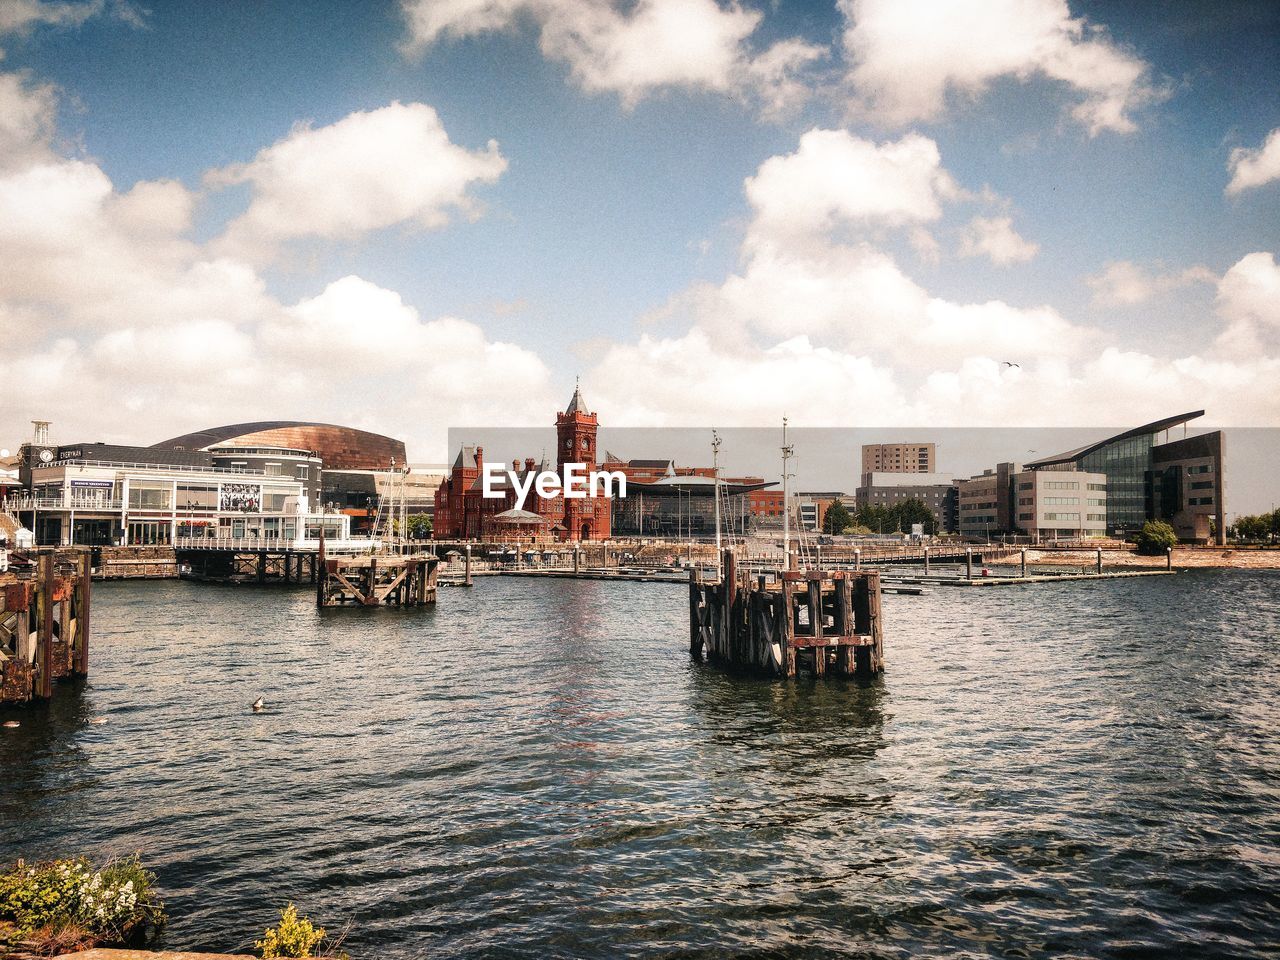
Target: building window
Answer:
[[150, 496], [1202, 485]]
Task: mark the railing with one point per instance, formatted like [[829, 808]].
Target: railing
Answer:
[[273, 543], [163, 467]]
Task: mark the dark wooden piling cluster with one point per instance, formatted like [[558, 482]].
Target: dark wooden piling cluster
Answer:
[[370, 581], [262, 565], [44, 624], [823, 621]]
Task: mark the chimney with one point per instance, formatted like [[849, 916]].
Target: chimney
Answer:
[[528, 463], [480, 459], [515, 466]]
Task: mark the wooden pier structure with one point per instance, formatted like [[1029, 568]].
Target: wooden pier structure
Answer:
[[44, 623], [377, 580], [828, 622]]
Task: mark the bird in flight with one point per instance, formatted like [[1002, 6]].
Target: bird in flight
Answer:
[[1010, 363]]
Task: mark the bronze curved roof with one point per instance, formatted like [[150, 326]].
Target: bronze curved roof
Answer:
[[339, 447]]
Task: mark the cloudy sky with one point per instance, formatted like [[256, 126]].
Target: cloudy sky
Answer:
[[412, 215]]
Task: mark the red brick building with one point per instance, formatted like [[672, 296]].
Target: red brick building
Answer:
[[464, 513]]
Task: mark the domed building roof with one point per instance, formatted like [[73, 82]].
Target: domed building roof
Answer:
[[339, 448]]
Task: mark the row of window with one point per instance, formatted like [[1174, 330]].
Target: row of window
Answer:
[[1201, 501]]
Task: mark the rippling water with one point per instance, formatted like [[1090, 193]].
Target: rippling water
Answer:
[[535, 768]]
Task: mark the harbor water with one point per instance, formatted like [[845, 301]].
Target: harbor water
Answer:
[[534, 768]]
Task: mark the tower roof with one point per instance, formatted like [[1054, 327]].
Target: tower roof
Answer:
[[577, 404]]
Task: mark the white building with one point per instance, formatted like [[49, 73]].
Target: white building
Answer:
[[101, 502]]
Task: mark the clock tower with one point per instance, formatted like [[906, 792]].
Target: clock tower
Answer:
[[576, 443]]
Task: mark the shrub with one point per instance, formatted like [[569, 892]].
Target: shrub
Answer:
[[61, 899], [1155, 537], [295, 937]]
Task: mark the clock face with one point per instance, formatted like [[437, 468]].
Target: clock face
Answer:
[[568, 444], [585, 443], [46, 456]]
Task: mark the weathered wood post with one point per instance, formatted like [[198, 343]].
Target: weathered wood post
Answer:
[[1099, 564], [1024, 561], [695, 612], [577, 560], [815, 621], [1168, 558], [466, 565], [787, 628], [319, 572], [926, 560], [857, 558], [732, 608], [44, 636], [846, 661], [877, 621], [968, 563]]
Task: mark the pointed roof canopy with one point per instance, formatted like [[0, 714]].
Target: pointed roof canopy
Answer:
[[577, 404]]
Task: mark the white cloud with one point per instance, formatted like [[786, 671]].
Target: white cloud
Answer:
[[836, 179], [635, 49], [1123, 283], [367, 171], [693, 379], [812, 266], [120, 327], [27, 114], [994, 237], [1254, 168], [1249, 302], [20, 16], [907, 55]]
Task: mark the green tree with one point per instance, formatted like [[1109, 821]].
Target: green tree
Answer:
[[912, 511], [419, 526], [837, 518], [875, 518], [1155, 537]]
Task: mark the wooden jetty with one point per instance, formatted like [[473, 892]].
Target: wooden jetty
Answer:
[[377, 580], [44, 623], [825, 621]]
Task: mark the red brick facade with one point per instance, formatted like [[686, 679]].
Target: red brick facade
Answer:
[[464, 513]]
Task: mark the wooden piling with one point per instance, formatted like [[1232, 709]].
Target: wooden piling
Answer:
[[825, 621]]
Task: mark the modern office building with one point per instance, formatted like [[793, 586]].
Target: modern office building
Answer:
[[937, 491], [1153, 477], [898, 458], [985, 502], [1059, 504]]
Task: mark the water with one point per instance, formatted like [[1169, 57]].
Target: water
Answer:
[[535, 768]]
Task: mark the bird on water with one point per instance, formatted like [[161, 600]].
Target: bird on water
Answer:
[[259, 705]]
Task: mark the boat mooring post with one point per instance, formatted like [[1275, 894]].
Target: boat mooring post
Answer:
[[968, 563], [466, 570], [1024, 561], [926, 561], [1099, 563]]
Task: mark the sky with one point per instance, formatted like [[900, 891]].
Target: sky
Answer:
[[410, 216]]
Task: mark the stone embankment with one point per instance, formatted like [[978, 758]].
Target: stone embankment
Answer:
[[135, 563]]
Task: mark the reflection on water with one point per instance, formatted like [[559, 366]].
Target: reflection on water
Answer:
[[537, 769]]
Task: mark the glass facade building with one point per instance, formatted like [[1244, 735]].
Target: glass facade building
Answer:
[[1142, 486]]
